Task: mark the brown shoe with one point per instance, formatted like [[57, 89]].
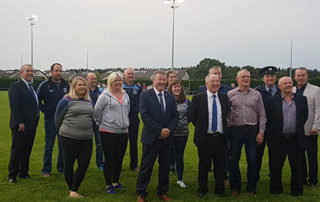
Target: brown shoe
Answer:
[[226, 183], [46, 175], [140, 199], [235, 193], [165, 198]]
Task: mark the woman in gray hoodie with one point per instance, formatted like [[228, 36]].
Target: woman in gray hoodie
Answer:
[[111, 113]]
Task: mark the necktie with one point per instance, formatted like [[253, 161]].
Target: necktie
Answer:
[[161, 102], [32, 92], [270, 91], [214, 114]]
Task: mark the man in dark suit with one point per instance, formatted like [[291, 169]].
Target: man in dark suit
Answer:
[[160, 117], [209, 112], [24, 119], [286, 114]]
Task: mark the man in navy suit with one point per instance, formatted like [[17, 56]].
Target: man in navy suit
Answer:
[[286, 114], [209, 112], [24, 117], [159, 114]]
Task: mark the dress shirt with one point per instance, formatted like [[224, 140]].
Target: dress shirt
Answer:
[[27, 84], [289, 116], [273, 90], [247, 109], [210, 103], [164, 100]]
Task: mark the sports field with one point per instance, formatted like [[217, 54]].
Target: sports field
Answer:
[[54, 188]]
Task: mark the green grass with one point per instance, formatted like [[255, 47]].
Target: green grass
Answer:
[[55, 188]]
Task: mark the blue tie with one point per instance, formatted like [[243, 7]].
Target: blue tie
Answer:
[[214, 114], [161, 102], [32, 92]]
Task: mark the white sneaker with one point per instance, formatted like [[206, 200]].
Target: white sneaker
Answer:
[[182, 185]]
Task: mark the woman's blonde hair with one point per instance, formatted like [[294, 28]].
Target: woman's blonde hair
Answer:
[[112, 77], [72, 92]]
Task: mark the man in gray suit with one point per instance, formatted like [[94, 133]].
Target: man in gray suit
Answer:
[[311, 127]]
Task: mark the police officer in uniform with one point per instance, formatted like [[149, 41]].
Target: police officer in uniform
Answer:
[[134, 92], [267, 90]]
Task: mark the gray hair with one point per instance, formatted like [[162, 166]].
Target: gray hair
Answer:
[[242, 70], [158, 72], [24, 66], [207, 77], [214, 67]]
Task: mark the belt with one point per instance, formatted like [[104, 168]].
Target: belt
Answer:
[[215, 134], [245, 127]]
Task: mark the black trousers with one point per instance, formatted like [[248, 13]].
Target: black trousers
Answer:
[[311, 150], [260, 153], [114, 148], [21, 148], [133, 139], [213, 150], [290, 147], [72, 150], [161, 149]]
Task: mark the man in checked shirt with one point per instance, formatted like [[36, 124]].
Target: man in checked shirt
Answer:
[[247, 119]]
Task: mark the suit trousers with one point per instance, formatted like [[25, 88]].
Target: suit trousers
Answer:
[[213, 150], [311, 150], [133, 139], [22, 143], [289, 146], [161, 149]]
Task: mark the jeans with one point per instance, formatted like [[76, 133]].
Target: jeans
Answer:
[[50, 137], [247, 136], [99, 149]]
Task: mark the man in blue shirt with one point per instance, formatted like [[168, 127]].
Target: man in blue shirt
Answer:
[[50, 93], [134, 92], [95, 92]]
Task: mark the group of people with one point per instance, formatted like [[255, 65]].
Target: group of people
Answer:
[[284, 117]]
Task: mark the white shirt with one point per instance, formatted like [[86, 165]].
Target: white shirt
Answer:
[[164, 100], [210, 103], [27, 83]]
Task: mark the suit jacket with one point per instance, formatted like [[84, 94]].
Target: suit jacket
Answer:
[[24, 108], [154, 119], [312, 93], [275, 119], [199, 115]]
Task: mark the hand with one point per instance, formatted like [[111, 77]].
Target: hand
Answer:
[[259, 138], [21, 127], [313, 132], [165, 132]]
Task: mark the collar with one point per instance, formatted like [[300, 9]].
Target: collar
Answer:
[[157, 92], [291, 96], [26, 82], [209, 94]]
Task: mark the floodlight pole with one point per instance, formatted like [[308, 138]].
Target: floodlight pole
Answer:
[[32, 19]]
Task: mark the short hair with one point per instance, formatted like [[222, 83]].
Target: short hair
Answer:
[[52, 66], [215, 67], [72, 92], [157, 72], [242, 70], [182, 96], [112, 77], [129, 68], [91, 73], [24, 66], [302, 68], [207, 77]]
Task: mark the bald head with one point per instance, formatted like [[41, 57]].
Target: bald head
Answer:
[[285, 85], [92, 80]]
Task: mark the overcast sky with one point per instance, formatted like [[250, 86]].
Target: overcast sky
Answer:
[[137, 33]]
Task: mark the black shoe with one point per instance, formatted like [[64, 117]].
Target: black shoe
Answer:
[[201, 195], [25, 176], [13, 180], [296, 193], [172, 169]]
